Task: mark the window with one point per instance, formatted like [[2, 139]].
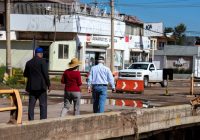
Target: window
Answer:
[[1, 21], [118, 59], [63, 51], [139, 66], [151, 67]]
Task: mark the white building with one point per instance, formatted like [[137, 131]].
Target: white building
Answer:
[[68, 30]]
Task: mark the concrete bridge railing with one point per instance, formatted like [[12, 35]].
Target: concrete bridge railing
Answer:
[[101, 126]]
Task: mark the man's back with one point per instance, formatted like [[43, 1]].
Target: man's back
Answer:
[[100, 74], [37, 74], [98, 80], [38, 80]]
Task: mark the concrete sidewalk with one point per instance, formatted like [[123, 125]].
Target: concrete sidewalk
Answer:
[[55, 105], [178, 91]]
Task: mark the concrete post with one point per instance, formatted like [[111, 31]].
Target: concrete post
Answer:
[[8, 42]]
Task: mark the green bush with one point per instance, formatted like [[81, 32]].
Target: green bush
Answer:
[[188, 71], [4, 95], [56, 78], [182, 71], [2, 71], [17, 71], [12, 80], [15, 81], [175, 71]]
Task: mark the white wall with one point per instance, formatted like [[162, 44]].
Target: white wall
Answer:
[[13, 35], [153, 29], [2, 53], [21, 52], [60, 64], [135, 42], [67, 23]]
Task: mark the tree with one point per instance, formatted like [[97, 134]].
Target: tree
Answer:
[[180, 29], [168, 30], [179, 33]]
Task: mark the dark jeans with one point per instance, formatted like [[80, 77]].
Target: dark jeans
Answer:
[[33, 96]]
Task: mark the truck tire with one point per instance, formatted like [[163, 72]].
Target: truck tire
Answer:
[[163, 83], [146, 81]]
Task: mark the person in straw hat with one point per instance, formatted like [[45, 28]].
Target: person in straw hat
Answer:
[[72, 80]]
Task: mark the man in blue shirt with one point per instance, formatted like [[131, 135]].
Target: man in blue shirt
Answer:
[[98, 80]]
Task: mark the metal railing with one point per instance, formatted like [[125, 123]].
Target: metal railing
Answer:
[[83, 73], [42, 8]]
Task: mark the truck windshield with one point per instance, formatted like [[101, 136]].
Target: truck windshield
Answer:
[[139, 66]]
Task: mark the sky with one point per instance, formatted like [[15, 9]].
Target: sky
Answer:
[[170, 12]]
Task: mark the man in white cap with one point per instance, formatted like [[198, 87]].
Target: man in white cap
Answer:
[[98, 80]]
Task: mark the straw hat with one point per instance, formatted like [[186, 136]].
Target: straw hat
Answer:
[[74, 62]]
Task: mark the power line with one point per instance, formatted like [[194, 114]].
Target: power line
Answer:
[[162, 2], [159, 6]]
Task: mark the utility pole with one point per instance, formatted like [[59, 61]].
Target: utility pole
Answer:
[[112, 35], [8, 43], [95, 3]]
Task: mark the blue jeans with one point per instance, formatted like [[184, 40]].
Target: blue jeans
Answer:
[[99, 95]]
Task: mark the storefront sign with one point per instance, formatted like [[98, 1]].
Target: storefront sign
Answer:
[[153, 29], [180, 62], [102, 39]]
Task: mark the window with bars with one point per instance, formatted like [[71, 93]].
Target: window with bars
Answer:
[[63, 51]]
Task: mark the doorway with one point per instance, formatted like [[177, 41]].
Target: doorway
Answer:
[[134, 57], [91, 59], [45, 53], [2, 25]]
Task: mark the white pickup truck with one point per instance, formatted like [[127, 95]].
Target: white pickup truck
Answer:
[[143, 71]]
